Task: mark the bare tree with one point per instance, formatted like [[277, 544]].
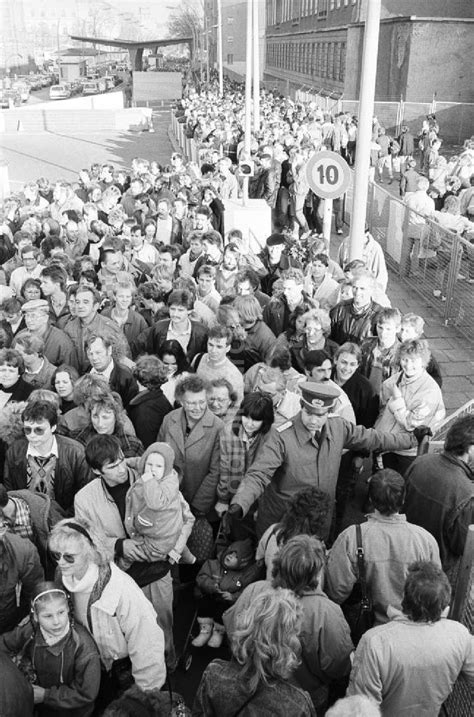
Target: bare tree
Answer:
[[187, 22]]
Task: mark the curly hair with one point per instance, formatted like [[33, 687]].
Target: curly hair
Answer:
[[306, 515], [150, 371], [193, 384], [265, 642]]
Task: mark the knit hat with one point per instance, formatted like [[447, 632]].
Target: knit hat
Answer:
[[164, 450]]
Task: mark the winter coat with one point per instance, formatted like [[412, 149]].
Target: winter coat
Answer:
[[71, 473], [58, 347], [348, 325], [99, 326], [325, 640], [123, 624], [156, 511], [214, 576], [20, 572], [69, 670], [235, 458], [390, 544], [196, 456], [292, 459], [409, 668], [420, 403], [147, 411], [16, 693], [222, 691], [150, 340], [440, 498]]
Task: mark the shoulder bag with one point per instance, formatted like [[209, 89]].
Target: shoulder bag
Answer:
[[358, 609]]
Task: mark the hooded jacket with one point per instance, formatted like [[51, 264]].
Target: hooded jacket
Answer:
[[155, 510], [68, 670], [214, 576]]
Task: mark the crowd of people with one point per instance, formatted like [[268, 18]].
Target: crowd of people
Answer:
[[179, 409]]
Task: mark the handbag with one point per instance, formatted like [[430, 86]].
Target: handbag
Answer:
[[358, 609], [201, 540]]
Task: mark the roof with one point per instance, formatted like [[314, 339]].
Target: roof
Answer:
[[132, 44]]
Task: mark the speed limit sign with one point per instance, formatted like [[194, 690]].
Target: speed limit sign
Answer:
[[328, 174]]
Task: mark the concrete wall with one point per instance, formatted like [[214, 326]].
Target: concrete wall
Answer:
[[156, 86], [106, 101], [416, 59], [441, 61]]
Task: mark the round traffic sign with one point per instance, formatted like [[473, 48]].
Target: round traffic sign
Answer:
[[328, 174]]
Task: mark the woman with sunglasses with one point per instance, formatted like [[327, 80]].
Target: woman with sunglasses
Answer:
[[111, 606]]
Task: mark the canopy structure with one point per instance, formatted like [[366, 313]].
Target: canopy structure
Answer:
[[136, 47]]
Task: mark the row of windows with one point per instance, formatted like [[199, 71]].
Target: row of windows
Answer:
[[284, 10], [320, 59]]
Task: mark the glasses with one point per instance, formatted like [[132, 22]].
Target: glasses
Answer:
[[68, 557], [36, 430]]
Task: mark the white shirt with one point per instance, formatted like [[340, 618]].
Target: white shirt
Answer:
[[32, 452]]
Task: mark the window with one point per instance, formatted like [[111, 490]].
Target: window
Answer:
[[230, 59], [331, 4], [330, 73], [342, 61], [230, 39], [230, 20], [322, 8]]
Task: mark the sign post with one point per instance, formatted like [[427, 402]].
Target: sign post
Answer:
[[329, 176]]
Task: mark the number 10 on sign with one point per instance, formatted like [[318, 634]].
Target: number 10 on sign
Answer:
[[328, 174]]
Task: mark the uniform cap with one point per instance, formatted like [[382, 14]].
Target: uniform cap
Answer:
[[317, 397]]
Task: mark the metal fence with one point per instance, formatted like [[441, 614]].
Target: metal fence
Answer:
[[434, 262], [459, 703]]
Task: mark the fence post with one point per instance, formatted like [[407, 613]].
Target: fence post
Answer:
[[453, 270]]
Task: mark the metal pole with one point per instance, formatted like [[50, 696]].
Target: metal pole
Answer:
[[364, 129], [219, 47], [327, 221], [256, 70], [248, 98]]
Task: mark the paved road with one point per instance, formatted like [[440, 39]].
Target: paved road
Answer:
[[62, 156]]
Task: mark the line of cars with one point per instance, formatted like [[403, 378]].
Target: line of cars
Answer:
[[14, 92], [90, 85]]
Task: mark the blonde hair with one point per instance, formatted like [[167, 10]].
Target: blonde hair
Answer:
[[265, 642], [85, 538]]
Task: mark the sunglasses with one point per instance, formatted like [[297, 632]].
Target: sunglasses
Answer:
[[67, 557], [37, 431]]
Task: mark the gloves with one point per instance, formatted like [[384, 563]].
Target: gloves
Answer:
[[221, 508], [236, 511], [421, 431]]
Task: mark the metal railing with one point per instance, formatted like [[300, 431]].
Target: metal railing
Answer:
[[435, 262]]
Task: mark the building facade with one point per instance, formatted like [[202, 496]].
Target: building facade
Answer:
[[426, 48], [234, 35]]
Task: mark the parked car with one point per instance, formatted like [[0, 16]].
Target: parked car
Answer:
[[91, 87], [23, 88], [59, 92], [9, 97]]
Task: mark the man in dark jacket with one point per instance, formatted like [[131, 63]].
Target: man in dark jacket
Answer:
[[119, 378], [191, 335], [264, 184], [58, 347], [440, 493], [44, 462], [355, 319], [20, 567]]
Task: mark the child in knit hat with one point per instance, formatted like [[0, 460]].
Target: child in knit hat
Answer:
[[156, 512]]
